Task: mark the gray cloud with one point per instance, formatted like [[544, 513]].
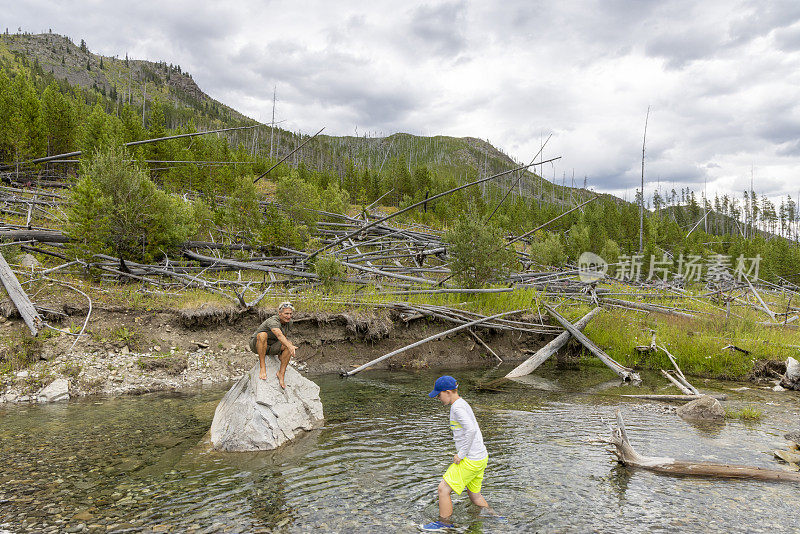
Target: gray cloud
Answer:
[[438, 28], [722, 78]]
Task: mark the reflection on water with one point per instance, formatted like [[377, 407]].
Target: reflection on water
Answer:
[[138, 464]]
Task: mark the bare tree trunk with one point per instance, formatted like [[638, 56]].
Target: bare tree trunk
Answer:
[[530, 365], [627, 455]]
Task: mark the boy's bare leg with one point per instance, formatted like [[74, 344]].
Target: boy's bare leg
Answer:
[[445, 503], [478, 500], [285, 357], [261, 348]]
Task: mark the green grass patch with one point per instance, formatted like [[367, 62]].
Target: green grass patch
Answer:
[[744, 414], [697, 344]]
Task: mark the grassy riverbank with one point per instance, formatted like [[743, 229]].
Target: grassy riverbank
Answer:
[[698, 344]]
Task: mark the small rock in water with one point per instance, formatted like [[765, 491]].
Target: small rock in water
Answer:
[[83, 516], [167, 441], [705, 408]]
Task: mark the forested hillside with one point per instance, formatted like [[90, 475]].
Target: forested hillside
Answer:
[[57, 97]]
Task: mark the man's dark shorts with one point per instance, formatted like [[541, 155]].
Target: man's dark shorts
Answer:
[[274, 349]]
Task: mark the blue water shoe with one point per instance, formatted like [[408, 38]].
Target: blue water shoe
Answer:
[[437, 526]]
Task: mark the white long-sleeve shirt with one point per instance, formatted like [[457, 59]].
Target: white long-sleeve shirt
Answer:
[[466, 434]]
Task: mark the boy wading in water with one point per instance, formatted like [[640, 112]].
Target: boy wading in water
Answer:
[[270, 338], [470, 461]]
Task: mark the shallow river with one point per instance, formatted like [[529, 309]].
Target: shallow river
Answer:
[[133, 464]]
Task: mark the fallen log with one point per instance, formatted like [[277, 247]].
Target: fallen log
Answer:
[[19, 297], [764, 306], [43, 236], [628, 456], [429, 338], [683, 388], [645, 307], [530, 365], [485, 346], [627, 374], [677, 398], [679, 380]]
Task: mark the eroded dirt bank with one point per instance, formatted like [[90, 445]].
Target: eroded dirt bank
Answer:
[[131, 351]]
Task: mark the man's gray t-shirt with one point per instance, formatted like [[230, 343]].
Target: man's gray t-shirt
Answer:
[[466, 434], [268, 325]]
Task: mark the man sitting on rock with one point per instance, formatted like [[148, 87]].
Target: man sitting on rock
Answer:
[[270, 338]]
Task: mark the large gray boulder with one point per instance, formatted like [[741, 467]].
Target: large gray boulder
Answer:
[[58, 390], [706, 408], [257, 415]]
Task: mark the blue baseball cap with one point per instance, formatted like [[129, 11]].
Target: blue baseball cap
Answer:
[[443, 383]]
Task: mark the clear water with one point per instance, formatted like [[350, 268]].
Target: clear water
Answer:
[[133, 464]]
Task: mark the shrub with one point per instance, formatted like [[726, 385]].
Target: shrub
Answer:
[[115, 207], [71, 370], [19, 353], [298, 197], [550, 251], [328, 268], [125, 335], [477, 252], [241, 212]]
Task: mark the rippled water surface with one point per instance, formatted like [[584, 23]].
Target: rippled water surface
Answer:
[[137, 464]]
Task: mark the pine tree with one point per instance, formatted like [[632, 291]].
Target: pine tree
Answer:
[[58, 117]]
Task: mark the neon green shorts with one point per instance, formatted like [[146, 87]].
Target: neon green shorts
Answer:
[[466, 474]]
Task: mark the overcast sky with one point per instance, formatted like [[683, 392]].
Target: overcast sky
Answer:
[[722, 78]]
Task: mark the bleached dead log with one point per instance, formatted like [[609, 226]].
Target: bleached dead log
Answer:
[[686, 391], [19, 297], [530, 365], [763, 304], [627, 374], [628, 456], [645, 307], [681, 381], [677, 398]]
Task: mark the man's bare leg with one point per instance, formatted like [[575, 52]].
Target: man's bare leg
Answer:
[[261, 348], [445, 502], [284, 357]]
